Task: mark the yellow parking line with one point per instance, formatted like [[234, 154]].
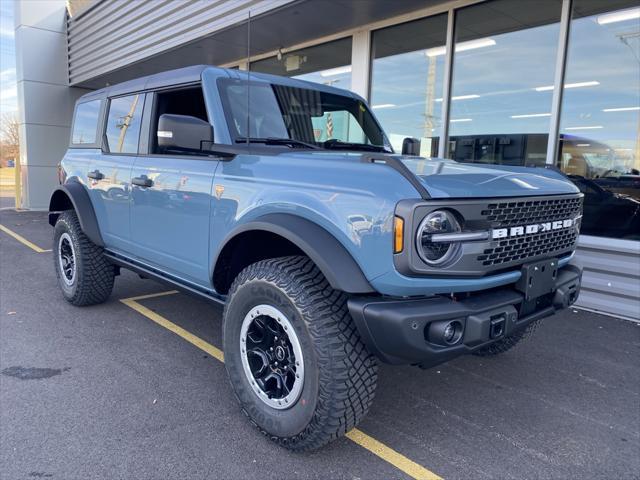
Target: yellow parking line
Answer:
[[23, 240], [396, 459], [163, 322], [367, 442]]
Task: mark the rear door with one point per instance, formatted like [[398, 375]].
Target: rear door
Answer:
[[171, 195], [110, 175]]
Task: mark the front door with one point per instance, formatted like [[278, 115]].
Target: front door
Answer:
[[170, 214]]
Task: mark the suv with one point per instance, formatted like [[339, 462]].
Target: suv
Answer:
[[284, 201]]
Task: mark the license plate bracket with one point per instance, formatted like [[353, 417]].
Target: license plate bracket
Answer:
[[538, 278]]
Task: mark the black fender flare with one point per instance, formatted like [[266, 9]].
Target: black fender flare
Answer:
[[330, 256], [77, 195]]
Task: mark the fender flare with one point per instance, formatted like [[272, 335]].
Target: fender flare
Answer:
[[77, 194], [330, 256]]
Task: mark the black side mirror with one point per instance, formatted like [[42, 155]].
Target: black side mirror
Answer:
[[411, 146], [183, 132]]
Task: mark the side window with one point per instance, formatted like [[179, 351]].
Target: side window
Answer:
[[123, 123], [185, 101], [85, 123]]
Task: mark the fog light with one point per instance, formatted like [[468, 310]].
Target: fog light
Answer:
[[448, 332]]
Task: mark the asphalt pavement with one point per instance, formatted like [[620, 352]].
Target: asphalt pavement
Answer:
[[106, 392]]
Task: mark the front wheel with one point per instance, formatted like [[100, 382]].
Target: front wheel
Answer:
[[293, 355]]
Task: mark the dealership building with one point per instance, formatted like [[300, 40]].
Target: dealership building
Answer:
[[513, 82]]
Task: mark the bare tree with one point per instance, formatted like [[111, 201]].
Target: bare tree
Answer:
[[9, 128], [9, 137]]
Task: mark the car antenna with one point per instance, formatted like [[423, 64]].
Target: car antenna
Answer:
[[248, 134]]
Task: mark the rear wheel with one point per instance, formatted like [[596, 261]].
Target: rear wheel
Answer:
[[85, 276], [293, 354]]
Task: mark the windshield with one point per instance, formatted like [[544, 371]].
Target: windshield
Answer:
[[317, 118]]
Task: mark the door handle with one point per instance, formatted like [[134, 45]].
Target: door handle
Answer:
[[95, 175], [142, 181]]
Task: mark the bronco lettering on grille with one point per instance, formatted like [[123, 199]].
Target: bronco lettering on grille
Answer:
[[533, 228]]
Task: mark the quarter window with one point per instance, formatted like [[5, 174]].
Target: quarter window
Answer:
[[123, 124], [85, 123]]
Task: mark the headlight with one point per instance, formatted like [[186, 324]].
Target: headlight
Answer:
[[437, 252]]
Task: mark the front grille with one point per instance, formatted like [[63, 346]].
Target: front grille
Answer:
[[530, 212], [509, 214], [529, 246]]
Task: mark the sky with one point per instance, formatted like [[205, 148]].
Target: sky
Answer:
[[8, 91]]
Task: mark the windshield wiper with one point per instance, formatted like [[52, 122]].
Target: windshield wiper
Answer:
[[339, 144], [277, 141]]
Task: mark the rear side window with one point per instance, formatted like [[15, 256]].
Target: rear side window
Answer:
[[85, 122], [123, 124]]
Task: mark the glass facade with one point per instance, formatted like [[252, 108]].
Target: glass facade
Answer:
[[407, 72], [504, 59], [501, 87], [328, 63], [600, 120]]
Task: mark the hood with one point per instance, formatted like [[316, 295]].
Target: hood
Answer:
[[450, 179]]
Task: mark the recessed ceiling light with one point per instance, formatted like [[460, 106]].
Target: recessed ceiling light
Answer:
[[461, 97], [453, 120], [335, 71], [592, 83], [383, 105], [621, 16], [531, 115], [621, 109], [586, 127], [461, 47], [583, 144]]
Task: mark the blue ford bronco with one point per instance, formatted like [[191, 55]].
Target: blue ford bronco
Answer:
[[284, 201]]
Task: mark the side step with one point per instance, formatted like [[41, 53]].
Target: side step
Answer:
[[150, 272]]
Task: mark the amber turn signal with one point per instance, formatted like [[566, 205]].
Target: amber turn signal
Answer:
[[398, 234]]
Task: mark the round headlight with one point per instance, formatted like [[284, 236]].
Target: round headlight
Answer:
[[437, 253]]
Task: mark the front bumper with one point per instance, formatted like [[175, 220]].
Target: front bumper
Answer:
[[401, 331]]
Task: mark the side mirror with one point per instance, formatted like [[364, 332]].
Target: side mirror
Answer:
[[411, 146], [183, 132]]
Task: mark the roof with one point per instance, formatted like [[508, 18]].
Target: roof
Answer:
[[194, 74]]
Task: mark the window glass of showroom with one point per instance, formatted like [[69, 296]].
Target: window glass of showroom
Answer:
[[328, 64], [407, 71], [503, 73], [600, 121]]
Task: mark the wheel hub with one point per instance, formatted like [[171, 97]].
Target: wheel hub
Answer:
[[66, 259], [271, 356]]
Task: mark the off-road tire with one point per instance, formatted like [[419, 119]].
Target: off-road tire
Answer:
[[340, 374], [507, 343], [94, 275]]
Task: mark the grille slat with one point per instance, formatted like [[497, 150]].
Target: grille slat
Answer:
[[521, 213]]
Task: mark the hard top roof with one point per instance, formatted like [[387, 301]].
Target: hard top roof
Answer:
[[194, 74]]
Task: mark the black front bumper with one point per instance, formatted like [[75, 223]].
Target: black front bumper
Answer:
[[400, 331]]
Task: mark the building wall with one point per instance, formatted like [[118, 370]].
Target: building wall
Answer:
[[45, 100], [114, 34]]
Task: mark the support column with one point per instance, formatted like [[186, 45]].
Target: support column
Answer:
[[45, 100], [361, 63]]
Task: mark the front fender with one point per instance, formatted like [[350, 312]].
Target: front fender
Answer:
[[330, 256]]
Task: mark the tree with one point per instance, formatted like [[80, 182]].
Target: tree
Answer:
[[9, 138]]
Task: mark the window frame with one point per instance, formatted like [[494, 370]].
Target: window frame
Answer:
[[104, 146], [148, 114]]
